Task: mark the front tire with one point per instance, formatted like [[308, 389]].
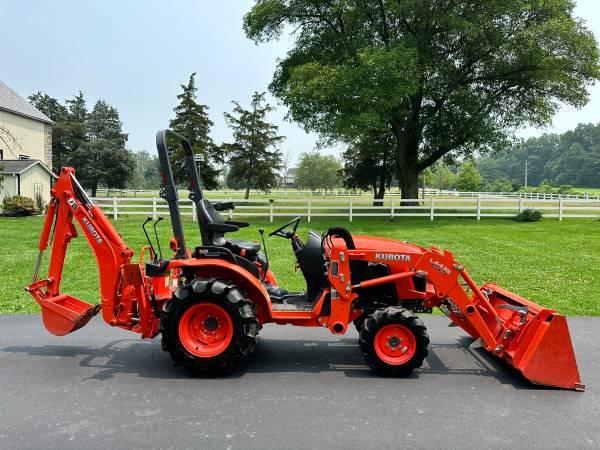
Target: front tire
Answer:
[[393, 341], [209, 327]]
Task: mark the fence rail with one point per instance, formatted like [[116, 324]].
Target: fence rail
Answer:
[[298, 193], [432, 207]]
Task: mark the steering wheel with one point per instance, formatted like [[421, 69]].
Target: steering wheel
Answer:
[[286, 234]]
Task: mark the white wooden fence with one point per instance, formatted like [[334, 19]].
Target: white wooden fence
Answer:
[[350, 208], [302, 193]]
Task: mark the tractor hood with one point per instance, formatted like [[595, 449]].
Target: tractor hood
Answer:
[[383, 244]]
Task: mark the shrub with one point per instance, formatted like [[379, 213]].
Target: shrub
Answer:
[[529, 215], [40, 204], [18, 206]]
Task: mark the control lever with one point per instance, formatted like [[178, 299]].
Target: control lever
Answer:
[[262, 237], [156, 236], [148, 219]]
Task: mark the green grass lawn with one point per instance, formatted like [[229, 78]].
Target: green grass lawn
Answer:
[[553, 263]]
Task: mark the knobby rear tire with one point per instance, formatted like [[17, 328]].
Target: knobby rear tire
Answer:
[[241, 311]]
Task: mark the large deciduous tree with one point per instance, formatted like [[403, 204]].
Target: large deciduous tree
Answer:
[[316, 171], [442, 77], [254, 157], [192, 121], [368, 164]]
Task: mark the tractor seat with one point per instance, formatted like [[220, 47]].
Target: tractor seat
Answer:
[[247, 249], [214, 226]]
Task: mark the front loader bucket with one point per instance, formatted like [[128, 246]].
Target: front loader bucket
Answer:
[[541, 348], [64, 314]]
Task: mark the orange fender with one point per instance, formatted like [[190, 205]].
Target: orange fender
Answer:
[[228, 271]]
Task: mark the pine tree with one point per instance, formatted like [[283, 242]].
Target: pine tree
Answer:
[[76, 130], [58, 113], [102, 157], [192, 121], [253, 156]]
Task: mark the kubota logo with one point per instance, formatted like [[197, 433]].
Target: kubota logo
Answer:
[[440, 267], [92, 230], [392, 257]]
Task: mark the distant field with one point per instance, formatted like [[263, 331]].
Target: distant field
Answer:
[[590, 191], [553, 263]]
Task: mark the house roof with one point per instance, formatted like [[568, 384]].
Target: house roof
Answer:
[[18, 166], [13, 102]]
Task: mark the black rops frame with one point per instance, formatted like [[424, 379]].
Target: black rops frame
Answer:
[[169, 189]]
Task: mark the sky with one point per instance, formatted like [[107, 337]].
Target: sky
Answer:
[[135, 54]]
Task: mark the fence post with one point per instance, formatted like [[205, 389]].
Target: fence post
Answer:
[[154, 208], [478, 207], [308, 218], [560, 209], [193, 211], [392, 212], [350, 210], [231, 210], [271, 210], [431, 209], [520, 204], [115, 211]]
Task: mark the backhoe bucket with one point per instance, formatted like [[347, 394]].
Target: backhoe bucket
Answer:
[[64, 314], [540, 347]]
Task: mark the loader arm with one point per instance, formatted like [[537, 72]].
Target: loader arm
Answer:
[[533, 339], [68, 201]]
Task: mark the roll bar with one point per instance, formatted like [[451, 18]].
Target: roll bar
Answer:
[[169, 189]]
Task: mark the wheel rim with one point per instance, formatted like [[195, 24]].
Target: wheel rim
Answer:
[[395, 344], [205, 330]]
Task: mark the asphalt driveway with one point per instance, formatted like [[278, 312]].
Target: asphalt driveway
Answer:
[[304, 388]]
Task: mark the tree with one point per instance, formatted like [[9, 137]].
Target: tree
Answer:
[[443, 78], [58, 113], [442, 177], [316, 171], [253, 156], [146, 173], [569, 158], [77, 116], [192, 121], [468, 178], [368, 164], [102, 156], [501, 184]]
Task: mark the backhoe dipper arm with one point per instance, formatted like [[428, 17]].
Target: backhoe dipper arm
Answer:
[[68, 200]]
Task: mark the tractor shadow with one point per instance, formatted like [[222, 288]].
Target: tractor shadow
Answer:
[[147, 360]]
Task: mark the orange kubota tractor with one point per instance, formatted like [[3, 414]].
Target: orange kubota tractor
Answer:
[[209, 303]]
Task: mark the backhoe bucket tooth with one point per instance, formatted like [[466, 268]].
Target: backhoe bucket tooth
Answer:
[[64, 314], [541, 350]]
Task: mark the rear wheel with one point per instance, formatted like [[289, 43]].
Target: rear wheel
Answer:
[[209, 327], [393, 341]]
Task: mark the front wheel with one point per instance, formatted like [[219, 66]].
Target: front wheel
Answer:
[[209, 327], [393, 341]]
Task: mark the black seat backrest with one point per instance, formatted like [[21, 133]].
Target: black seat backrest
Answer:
[[208, 214]]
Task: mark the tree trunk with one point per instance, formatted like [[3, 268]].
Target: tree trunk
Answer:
[[94, 189], [409, 184], [248, 184], [379, 193]]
